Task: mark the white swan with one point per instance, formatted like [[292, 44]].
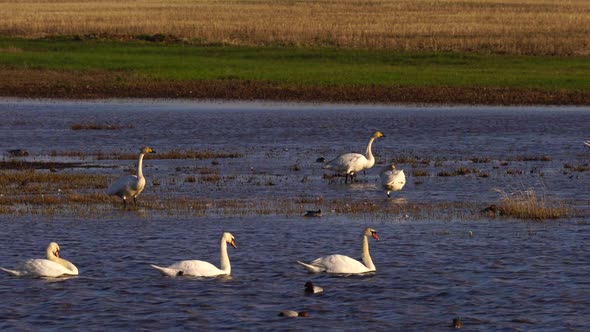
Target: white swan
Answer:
[[53, 266], [201, 268], [131, 185], [352, 163], [392, 179], [344, 264], [587, 143]]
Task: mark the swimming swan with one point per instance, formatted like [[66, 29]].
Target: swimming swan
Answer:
[[345, 264], [201, 268], [352, 163], [53, 266], [131, 185], [392, 179]]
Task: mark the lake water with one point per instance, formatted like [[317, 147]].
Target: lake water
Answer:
[[496, 274]]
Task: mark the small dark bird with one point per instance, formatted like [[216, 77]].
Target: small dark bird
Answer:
[[311, 289], [491, 211], [18, 153], [457, 323], [320, 160], [317, 213], [293, 313]]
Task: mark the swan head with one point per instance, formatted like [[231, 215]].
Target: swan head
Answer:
[[388, 168], [371, 232], [377, 134], [147, 149], [227, 237], [53, 250]]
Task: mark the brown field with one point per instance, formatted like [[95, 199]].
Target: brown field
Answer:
[[30, 83], [547, 27]]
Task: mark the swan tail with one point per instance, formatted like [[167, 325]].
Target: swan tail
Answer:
[[11, 272], [167, 271], [311, 268]]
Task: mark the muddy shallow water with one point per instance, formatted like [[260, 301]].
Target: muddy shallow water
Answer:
[[504, 275]]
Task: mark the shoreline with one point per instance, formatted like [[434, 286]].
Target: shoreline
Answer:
[[37, 84]]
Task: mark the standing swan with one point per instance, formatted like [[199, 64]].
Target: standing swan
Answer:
[[202, 268], [352, 163], [131, 185], [345, 264], [53, 266], [392, 179]]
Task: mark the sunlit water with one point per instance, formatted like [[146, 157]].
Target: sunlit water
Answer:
[[497, 275]]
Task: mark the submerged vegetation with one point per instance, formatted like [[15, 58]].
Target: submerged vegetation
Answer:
[[98, 126], [74, 188], [173, 154]]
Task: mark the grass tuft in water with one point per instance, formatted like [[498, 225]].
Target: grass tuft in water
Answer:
[[526, 204]]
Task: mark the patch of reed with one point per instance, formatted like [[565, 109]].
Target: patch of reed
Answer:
[[577, 168], [420, 172], [481, 160], [533, 158], [459, 171], [527, 204], [35, 182], [213, 177], [98, 126]]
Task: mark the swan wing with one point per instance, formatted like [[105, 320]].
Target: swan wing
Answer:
[[192, 268], [336, 264], [167, 271], [348, 162], [41, 268], [312, 268], [125, 186], [587, 143]]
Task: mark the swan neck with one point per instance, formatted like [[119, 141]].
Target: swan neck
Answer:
[[140, 166], [365, 256], [369, 153], [63, 262], [225, 266]]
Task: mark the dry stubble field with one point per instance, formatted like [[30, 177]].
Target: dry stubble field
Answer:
[[532, 27]]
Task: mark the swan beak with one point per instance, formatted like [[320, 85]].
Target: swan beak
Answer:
[[375, 236], [56, 253], [233, 243]]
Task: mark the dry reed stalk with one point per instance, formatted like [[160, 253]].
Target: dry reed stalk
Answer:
[[483, 26], [525, 204]]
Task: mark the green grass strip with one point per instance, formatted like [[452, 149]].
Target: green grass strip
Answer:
[[320, 66]]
